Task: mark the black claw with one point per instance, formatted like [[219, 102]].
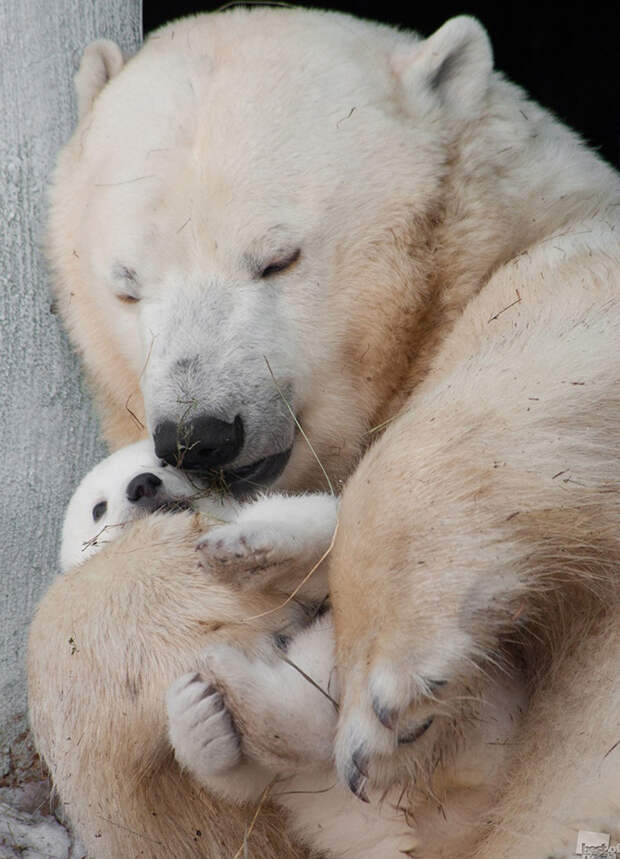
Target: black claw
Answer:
[[218, 702], [386, 716], [358, 774], [282, 641], [357, 782], [435, 684], [416, 733], [209, 690], [360, 761]]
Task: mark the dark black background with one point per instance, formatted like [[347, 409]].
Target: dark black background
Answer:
[[566, 56]]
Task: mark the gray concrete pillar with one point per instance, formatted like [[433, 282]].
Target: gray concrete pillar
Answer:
[[48, 433]]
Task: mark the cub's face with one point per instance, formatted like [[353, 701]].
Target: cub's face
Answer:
[[235, 222], [130, 483]]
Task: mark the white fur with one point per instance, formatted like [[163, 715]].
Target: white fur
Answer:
[[102, 60], [251, 716], [277, 734], [272, 535], [456, 287], [107, 482], [280, 700]]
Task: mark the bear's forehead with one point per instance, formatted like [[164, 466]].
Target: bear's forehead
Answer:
[[274, 80], [124, 463], [225, 125]]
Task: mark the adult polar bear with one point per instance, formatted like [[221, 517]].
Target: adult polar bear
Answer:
[[399, 231]]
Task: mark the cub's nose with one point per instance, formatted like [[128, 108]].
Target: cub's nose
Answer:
[[143, 487], [199, 444]]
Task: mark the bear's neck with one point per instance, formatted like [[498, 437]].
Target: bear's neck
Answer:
[[513, 180]]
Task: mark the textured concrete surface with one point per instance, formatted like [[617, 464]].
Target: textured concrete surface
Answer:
[[48, 434], [29, 828]]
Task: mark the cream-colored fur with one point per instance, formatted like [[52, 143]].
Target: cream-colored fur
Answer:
[[98, 687], [251, 720], [288, 729], [457, 277]]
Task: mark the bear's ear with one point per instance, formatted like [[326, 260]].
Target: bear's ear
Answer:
[[101, 61], [453, 65]]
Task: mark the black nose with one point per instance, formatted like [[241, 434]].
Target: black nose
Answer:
[[200, 444], [143, 486]]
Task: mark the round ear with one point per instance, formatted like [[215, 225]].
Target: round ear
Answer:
[[101, 61], [453, 66]]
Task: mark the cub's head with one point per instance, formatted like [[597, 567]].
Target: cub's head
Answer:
[[130, 483], [241, 231]]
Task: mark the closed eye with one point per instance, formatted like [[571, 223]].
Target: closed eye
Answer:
[[99, 510], [278, 265], [129, 292]]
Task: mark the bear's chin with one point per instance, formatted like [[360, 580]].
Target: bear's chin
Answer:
[[246, 481]]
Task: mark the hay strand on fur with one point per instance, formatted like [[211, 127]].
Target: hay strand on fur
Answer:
[[300, 585], [299, 426], [310, 680], [381, 425], [242, 851]]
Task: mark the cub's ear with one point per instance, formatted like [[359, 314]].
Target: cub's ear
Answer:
[[453, 66], [101, 61]]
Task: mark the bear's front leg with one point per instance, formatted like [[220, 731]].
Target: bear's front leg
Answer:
[[468, 535], [420, 590]]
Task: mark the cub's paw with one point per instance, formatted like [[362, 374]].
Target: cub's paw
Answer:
[[238, 552], [200, 727], [271, 537]]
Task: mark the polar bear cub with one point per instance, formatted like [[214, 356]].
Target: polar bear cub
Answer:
[[246, 720], [121, 488], [134, 482], [249, 719], [263, 720]]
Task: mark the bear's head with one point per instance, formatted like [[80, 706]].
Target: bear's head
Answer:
[[241, 232], [128, 485]]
